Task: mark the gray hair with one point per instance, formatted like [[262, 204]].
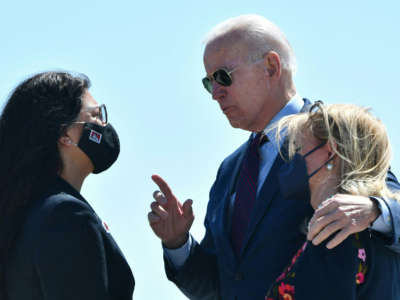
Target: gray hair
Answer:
[[260, 35]]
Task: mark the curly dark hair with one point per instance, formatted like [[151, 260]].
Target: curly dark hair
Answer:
[[36, 114]]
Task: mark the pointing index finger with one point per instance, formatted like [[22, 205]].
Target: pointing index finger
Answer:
[[165, 189]]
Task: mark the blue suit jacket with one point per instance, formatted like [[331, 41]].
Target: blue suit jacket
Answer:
[[212, 270]]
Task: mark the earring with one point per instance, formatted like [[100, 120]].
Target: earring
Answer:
[[329, 166]]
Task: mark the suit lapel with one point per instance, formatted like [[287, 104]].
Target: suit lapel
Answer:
[[268, 191], [264, 199], [236, 169], [224, 235], [224, 210], [232, 187]]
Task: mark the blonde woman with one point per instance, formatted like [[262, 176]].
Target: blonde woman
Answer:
[[343, 149]]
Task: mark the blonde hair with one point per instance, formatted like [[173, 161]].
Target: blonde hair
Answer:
[[357, 137]]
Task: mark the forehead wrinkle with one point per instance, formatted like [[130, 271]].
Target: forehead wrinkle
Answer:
[[225, 50]]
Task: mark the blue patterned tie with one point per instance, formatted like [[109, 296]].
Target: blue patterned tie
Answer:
[[246, 191]]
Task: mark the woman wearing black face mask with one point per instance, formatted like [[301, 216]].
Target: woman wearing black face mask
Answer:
[[339, 148], [53, 134]]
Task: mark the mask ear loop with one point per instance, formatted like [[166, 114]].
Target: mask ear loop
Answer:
[[323, 165], [313, 150], [72, 143], [63, 131]]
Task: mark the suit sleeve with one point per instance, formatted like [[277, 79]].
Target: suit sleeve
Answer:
[[394, 208], [198, 277], [70, 257]]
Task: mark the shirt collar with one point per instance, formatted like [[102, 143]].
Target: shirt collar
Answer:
[[294, 106]]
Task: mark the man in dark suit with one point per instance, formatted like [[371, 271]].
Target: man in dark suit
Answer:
[[255, 212]]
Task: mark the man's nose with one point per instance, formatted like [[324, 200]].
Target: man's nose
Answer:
[[217, 90]]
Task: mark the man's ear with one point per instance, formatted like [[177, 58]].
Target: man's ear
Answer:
[[273, 64]]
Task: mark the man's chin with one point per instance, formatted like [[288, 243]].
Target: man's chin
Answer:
[[236, 124]]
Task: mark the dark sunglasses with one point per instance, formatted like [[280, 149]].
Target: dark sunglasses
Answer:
[[221, 76]]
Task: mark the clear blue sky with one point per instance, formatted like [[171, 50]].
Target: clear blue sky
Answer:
[[145, 62]]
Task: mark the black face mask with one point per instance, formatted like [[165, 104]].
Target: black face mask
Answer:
[[101, 145], [294, 176]]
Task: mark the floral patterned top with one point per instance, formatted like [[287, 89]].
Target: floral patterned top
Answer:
[[316, 272]]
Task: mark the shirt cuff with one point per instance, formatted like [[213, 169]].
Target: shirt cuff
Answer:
[[177, 257], [383, 223]]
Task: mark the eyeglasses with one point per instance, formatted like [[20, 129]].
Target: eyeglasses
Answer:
[[97, 112], [221, 76]]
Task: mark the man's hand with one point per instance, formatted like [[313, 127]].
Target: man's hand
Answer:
[[344, 214], [169, 219]]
